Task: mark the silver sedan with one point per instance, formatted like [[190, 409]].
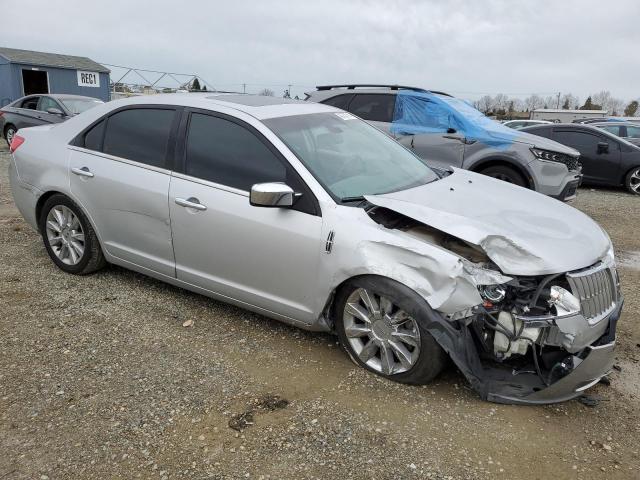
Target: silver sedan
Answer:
[[306, 214]]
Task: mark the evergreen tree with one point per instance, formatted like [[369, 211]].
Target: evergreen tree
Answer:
[[631, 109], [195, 86]]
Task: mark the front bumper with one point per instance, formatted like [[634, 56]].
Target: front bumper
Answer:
[[502, 384], [570, 191]]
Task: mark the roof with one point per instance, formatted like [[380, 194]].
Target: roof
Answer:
[[258, 106], [30, 57], [562, 110]]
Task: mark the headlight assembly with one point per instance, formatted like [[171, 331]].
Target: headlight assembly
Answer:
[[572, 163]]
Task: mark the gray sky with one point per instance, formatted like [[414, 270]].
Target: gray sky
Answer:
[[465, 47]]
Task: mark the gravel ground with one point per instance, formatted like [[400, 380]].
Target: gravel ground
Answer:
[[99, 378]]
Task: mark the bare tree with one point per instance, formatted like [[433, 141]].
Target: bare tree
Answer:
[[485, 104], [266, 92], [616, 106], [569, 101], [500, 102], [533, 101], [603, 99]]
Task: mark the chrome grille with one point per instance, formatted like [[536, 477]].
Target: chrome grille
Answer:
[[596, 289]]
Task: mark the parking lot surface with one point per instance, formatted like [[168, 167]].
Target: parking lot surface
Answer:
[[116, 375]]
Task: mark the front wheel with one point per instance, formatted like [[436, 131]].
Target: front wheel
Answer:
[[381, 325], [505, 173], [632, 182], [68, 237]]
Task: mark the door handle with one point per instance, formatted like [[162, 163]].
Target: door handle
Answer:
[[190, 202], [454, 137], [83, 172]]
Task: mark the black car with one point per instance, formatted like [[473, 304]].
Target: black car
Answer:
[[34, 110], [606, 159]]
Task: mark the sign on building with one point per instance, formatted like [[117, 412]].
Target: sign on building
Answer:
[[88, 79]]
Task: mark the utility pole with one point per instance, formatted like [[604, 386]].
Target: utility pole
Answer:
[[244, 88], [558, 104]]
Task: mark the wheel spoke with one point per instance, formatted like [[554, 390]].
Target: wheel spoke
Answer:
[[76, 247], [72, 253], [407, 336], [78, 236], [386, 359], [399, 317], [368, 351], [358, 312], [402, 353], [370, 302], [55, 241], [355, 331], [54, 226], [59, 216], [385, 306]]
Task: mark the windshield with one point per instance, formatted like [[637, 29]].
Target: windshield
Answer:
[[349, 157], [79, 105]]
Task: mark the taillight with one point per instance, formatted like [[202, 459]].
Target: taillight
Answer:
[[15, 143]]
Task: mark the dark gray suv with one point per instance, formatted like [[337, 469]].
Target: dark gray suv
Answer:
[[448, 132]]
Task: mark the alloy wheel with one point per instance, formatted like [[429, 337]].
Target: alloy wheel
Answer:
[[634, 181], [9, 135], [65, 235], [382, 335]]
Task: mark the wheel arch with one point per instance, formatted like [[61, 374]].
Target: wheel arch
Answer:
[[505, 162], [623, 180]]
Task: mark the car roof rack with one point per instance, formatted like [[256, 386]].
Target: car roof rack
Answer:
[[353, 86]]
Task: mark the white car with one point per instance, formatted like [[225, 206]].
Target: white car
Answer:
[[518, 124], [307, 214]]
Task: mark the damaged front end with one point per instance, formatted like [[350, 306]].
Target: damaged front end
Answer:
[[527, 339], [541, 339]]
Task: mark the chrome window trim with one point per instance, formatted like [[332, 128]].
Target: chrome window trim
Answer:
[[133, 163], [207, 183]]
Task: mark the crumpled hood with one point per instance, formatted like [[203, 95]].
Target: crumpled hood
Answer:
[[521, 231]]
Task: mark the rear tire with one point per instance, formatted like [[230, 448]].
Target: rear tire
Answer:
[[505, 173], [393, 343], [10, 132], [68, 236], [632, 181]]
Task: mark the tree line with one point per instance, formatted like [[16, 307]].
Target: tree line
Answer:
[[502, 105]]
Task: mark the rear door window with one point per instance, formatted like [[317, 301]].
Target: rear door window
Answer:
[[30, 103], [140, 134], [373, 107], [339, 101], [93, 138]]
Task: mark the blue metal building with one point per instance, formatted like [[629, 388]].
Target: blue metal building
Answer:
[[23, 72]]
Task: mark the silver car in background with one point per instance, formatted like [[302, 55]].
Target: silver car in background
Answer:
[[307, 214], [448, 132]]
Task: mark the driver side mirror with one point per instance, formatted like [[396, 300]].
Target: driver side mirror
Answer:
[[603, 147], [275, 195], [55, 111]]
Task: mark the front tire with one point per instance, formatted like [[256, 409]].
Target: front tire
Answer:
[[632, 181], [505, 173], [68, 237], [381, 325]]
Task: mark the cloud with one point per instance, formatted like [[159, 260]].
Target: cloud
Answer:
[[465, 47]]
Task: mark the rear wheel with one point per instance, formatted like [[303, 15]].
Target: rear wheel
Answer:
[[9, 133], [505, 173], [69, 238], [381, 325], [632, 182]]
